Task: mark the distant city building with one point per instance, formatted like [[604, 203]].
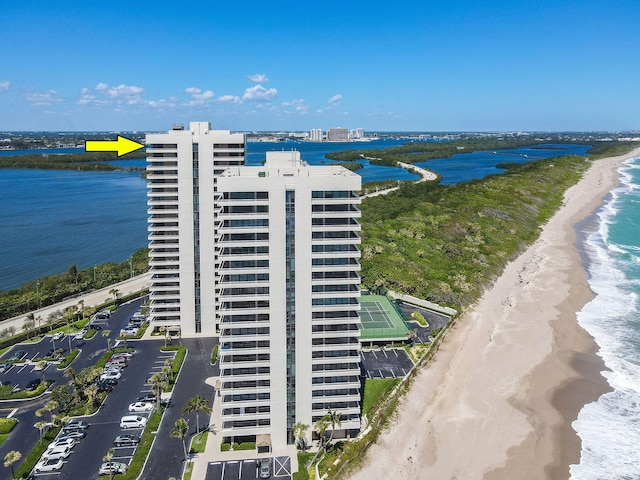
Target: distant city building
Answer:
[[183, 167], [338, 135], [359, 133], [288, 305], [316, 135]]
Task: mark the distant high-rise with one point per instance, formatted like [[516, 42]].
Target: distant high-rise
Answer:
[[359, 133], [338, 135], [315, 135], [288, 298], [183, 167]]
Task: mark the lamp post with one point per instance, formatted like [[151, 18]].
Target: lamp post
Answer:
[[38, 293]]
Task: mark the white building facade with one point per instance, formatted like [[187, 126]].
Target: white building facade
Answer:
[[288, 282], [182, 170]]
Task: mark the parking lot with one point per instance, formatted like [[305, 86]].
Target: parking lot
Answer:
[[248, 469], [385, 363]]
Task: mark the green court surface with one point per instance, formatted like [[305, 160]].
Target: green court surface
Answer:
[[380, 319]]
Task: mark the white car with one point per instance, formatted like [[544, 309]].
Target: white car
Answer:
[[111, 375], [129, 331], [57, 336], [48, 465], [141, 407], [133, 421], [57, 452], [116, 467], [65, 442]]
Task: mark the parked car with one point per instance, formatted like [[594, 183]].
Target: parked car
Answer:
[[73, 433], [149, 398], [126, 441], [66, 442], [129, 331], [104, 386], [57, 336], [17, 355], [112, 467], [110, 375], [111, 369], [126, 355], [141, 407], [75, 424], [103, 315], [48, 465], [5, 367], [265, 468], [119, 362], [57, 452], [80, 335], [33, 384], [133, 421]]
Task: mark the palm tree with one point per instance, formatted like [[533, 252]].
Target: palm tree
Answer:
[[41, 425], [169, 363], [181, 429], [11, 458], [197, 404], [123, 337], [334, 419], [106, 333], [116, 293], [321, 426], [157, 387], [91, 392], [300, 433], [50, 407], [107, 458]]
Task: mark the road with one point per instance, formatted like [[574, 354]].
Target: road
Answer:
[[96, 297]]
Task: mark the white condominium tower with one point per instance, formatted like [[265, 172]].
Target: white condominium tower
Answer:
[[288, 266], [182, 167]]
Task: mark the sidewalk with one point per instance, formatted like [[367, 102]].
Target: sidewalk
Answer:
[[212, 451]]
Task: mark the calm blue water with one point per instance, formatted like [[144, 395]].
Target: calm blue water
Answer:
[[469, 166], [54, 219], [610, 427]]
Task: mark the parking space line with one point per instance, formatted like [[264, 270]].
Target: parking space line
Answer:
[[385, 353], [396, 352]]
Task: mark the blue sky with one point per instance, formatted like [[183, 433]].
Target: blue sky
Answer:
[[396, 66]]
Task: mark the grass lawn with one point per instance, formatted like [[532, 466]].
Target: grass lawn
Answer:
[[374, 389], [199, 442]]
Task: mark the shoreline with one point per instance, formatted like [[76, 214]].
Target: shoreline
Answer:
[[500, 396]]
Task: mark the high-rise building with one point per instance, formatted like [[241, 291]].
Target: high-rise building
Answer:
[[315, 135], [359, 133], [288, 265], [338, 135], [182, 167]]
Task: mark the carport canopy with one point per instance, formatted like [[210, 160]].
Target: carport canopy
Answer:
[[263, 443]]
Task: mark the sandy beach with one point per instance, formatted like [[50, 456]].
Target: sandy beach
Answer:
[[498, 399]]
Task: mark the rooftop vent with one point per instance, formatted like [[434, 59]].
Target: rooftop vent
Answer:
[[177, 126]]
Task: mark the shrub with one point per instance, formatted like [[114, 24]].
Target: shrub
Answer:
[[68, 358], [214, 354], [7, 424], [36, 452]]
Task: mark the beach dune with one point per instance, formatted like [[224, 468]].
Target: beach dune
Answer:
[[498, 399]]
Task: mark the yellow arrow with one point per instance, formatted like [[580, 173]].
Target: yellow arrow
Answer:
[[122, 146]]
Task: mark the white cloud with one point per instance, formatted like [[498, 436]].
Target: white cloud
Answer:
[[104, 95], [258, 78], [258, 92], [198, 96], [332, 102], [335, 100], [232, 99], [4, 86], [163, 103], [42, 98], [298, 104]]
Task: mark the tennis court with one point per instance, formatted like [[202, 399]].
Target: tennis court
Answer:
[[380, 320]]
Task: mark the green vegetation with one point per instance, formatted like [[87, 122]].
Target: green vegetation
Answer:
[[68, 358], [55, 288], [199, 442], [226, 446], [137, 462], [7, 424], [71, 161], [375, 390], [175, 365], [7, 393], [214, 354], [304, 459], [34, 455], [353, 166], [448, 243]]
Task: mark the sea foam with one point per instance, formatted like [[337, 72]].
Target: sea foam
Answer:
[[610, 427]]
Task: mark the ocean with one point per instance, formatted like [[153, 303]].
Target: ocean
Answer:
[[52, 219], [610, 427]]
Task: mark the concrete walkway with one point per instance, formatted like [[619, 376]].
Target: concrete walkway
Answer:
[[425, 175]]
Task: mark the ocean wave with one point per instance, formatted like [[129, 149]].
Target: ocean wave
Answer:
[[610, 427]]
